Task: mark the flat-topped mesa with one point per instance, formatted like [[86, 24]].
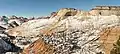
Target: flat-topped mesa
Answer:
[[106, 10]]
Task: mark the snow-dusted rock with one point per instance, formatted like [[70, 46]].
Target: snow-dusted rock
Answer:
[[68, 35]]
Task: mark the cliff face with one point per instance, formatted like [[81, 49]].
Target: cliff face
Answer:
[[106, 10]]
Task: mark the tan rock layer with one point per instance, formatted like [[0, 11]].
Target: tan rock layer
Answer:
[[108, 37], [105, 10]]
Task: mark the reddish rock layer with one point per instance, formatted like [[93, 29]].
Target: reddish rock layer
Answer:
[[38, 47]]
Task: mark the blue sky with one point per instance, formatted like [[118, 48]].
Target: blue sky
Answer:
[[28, 8]]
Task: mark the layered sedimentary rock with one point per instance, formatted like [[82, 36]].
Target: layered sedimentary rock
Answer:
[[69, 31], [70, 35], [106, 10]]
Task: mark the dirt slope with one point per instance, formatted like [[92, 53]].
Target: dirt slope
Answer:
[[109, 37]]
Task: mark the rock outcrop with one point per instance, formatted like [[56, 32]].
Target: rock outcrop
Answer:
[[39, 47], [106, 10], [66, 12]]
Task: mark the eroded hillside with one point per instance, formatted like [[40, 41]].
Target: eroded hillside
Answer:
[[68, 31]]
